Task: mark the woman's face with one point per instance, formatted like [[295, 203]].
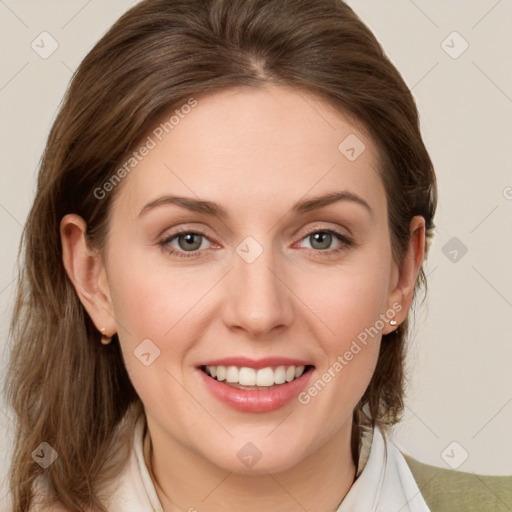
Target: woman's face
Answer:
[[265, 276]]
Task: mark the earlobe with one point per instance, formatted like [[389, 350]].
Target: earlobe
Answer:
[[87, 272], [403, 292]]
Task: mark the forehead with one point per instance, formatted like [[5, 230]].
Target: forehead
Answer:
[[254, 148]]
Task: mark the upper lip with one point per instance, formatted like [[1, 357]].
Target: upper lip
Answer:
[[256, 363]]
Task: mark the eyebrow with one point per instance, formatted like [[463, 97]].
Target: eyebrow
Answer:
[[215, 210]]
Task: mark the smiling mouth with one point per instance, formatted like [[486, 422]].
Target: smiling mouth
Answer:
[[263, 379]]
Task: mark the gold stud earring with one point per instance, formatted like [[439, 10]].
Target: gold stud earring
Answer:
[[105, 340]]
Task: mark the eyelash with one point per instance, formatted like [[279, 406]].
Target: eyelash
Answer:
[[346, 242]]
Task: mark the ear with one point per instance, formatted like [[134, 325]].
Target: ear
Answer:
[[87, 272], [400, 297]]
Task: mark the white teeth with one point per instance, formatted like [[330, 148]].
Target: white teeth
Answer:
[[247, 376], [221, 372], [232, 374], [264, 377], [280, 375]]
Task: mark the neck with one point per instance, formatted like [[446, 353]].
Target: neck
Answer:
[[185, 481]]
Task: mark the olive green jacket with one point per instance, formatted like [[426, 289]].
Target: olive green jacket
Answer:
[[445, 490]]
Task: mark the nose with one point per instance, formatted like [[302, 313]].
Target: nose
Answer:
[[259, 299]]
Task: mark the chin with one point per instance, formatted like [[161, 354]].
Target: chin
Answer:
[[249, 458]]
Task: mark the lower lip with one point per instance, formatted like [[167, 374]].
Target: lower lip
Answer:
[[254, 400]]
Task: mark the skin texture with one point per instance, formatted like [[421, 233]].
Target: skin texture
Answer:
[[255, 152]]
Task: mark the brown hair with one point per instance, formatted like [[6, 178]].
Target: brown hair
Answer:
[[64, 386]]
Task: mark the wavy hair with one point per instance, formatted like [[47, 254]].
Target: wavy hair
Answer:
[[64, 386]]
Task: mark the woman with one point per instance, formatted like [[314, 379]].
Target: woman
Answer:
[[231, 217]]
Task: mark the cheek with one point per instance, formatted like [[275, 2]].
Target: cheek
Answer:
[[150, 294], [351, 303], [142, 305], [354, 317], [349, 299], [151, 304]]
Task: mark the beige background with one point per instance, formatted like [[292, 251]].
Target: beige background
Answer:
[[461, 388]]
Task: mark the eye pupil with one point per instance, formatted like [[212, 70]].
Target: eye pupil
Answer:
[[323, 238], [189, 244]]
